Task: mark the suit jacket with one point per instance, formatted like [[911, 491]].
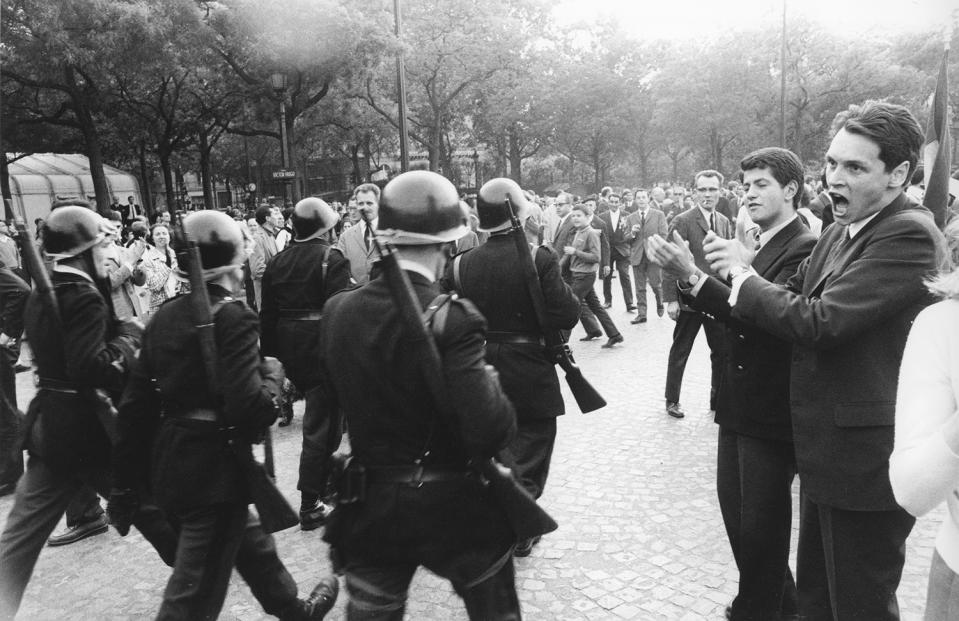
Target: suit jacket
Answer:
[[848, 311], [753, 397], [600, 225], [618, 238], [655, 224], [353, 247], [490, 277], [264, 249], [562, 235], [692, 226]]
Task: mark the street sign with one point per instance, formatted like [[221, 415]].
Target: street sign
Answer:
[[284, 174]]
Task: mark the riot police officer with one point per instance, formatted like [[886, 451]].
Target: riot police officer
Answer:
[[78, 348], [490, 276], [195, 470], [422, 505], [296, 284]]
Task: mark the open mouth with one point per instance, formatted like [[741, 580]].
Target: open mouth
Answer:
[[838, 199]]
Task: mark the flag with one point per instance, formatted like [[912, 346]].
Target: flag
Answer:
[[936, 150]]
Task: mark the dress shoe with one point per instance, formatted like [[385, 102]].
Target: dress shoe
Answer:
[[607, 305], [314, 607], [660, 310], [613, 340], [639, 320], [80, 531], [313, 518], [590, 337], [525, 548], [630, 309], [675, 410]]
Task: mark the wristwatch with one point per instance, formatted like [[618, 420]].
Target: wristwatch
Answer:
[[694, 279]]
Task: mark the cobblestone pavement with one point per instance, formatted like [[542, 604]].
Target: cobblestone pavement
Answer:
[[633, 490]]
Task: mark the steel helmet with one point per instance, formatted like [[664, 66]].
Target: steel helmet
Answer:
[[71, 229], [219, 239], [421, 207], [491, 204], [312, 217]]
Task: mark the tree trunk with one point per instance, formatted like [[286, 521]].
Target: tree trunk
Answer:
[[206, 173], [147, 195], [95, 156], [168, 182], [515, 157]]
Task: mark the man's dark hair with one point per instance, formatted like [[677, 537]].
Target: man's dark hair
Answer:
[[287, 213], [783, 164], [262, 213], [892, 127]]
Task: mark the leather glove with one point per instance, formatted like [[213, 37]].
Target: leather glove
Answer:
[[273, 376], [121, 507]]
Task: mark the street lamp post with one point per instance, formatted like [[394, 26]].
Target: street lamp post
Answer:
[[278, 81]]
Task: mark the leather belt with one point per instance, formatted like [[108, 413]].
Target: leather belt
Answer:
[[203, 414], [301, 315], [56, 385], [515, 338], [414, 476]]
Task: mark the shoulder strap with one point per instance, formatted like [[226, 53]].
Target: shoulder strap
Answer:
[[437, 312], [456, 273]]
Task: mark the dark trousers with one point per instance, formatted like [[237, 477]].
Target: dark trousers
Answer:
[[42, 497], [753, 480], [530, 452], [621, 264], [11, 457], [582, 285], [684, 335], [321, 436], [212, 541], [85, 507], [378, 592], [645, 271], [850, 562]]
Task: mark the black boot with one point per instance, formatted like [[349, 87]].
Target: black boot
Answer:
[[314, 607]]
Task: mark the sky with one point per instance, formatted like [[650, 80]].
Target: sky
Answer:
[[699, 18]]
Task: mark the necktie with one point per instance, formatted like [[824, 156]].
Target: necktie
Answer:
[[712, 224], [367, 237], [642, 219]]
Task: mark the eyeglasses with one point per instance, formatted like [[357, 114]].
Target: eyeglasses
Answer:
[[704, 190]]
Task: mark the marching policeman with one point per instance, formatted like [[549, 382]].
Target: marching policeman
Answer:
[[414, 500], [196, 475], [296, 284], [78, 347], [491, 278]]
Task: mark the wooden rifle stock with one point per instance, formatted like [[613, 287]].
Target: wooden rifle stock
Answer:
[[526, 518], [587, 398], [271, 505]]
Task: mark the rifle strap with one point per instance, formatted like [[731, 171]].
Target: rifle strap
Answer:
[[435, 319], [456, 273], [326, 263]]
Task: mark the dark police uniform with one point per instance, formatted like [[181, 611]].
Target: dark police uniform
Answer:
[[13, 299], [68, 446], [195, 475], [490, 277], [449, 523], [296, 284]]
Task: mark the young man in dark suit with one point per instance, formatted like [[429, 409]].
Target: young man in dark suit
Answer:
[[756, 463], [643, 223], [847, 312], [693, 225], [615, 220]]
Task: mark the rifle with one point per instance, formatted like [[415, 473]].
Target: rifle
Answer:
[[103, 406], [587, 398], [526, 518], [271, 505]]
